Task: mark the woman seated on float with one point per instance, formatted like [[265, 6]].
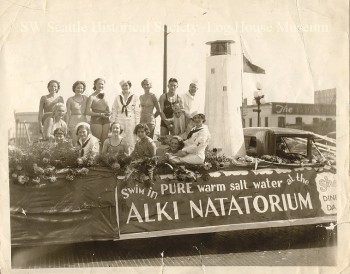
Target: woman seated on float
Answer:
[[60, 139], [176, 143], [115, 144], [63, 148], [197, 141], [181, 123], [55, 121], [144, 147], [47, 102], [87, 143]]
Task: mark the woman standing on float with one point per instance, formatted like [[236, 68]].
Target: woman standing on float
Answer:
[[76, 106], [126, 111], [148, 102], [47, 102], [97, 107]]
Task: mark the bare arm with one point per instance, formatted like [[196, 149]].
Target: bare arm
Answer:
[[153, 148], [156, 105], [161, 105], [126, 147], [105, 147], [48, 124], [88, 110], [41, 111], [68, 110]]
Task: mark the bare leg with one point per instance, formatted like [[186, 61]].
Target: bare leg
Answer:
[[104, 133], [164, 131], [151, 130], [96, 130], [73, 135]]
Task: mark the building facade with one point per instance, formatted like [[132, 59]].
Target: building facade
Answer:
[[319, 118]]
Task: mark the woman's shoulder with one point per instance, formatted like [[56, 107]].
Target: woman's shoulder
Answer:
[[153, 96], [49, 120], [43, 98], [163, 96], [92, 95], [150, 140], [107, 141], [124, 141]]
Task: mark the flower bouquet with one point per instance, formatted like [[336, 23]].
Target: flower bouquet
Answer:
[[217, 160], [142, 170]]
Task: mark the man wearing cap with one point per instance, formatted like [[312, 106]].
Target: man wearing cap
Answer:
[[190, 103]]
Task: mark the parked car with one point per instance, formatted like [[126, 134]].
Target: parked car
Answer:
[[285, 146]]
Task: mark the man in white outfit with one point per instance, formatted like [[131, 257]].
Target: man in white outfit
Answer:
[[190, 103], [195, 144]]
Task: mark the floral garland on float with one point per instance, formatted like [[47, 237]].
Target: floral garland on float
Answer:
[[43, 163]]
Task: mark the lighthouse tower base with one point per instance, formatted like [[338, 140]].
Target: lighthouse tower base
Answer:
[[223, 101]]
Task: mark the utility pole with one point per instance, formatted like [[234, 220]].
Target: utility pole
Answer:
[[258, 98], [165, 64]]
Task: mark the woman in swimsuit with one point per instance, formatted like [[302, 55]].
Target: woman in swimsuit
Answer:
[[55, 121], [97, 107], [76, 106], [116, 143], [47, 102], [144, 147], [148, 102]]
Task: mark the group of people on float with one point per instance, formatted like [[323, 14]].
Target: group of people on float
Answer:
[[129, 126]]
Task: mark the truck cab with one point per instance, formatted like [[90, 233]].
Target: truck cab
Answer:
[[282, 145]]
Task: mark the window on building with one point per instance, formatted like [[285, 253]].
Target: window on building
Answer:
[[243, 122], [329, 119], [266, 121], [250, 122], [281, 121], [315, 120], [224, 88], [212, 70], [298, 120], [250, 145]]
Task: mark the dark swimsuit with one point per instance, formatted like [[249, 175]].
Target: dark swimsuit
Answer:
[[168, 109], [99, 120]]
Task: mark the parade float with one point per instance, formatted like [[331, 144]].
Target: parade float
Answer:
[[251, 178]]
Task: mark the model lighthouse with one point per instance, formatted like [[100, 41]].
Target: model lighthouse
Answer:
[[223, 98]]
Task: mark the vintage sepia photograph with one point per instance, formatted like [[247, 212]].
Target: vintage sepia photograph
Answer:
[[178, 135]]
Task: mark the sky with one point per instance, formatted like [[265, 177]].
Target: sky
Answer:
[[83, 40]]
